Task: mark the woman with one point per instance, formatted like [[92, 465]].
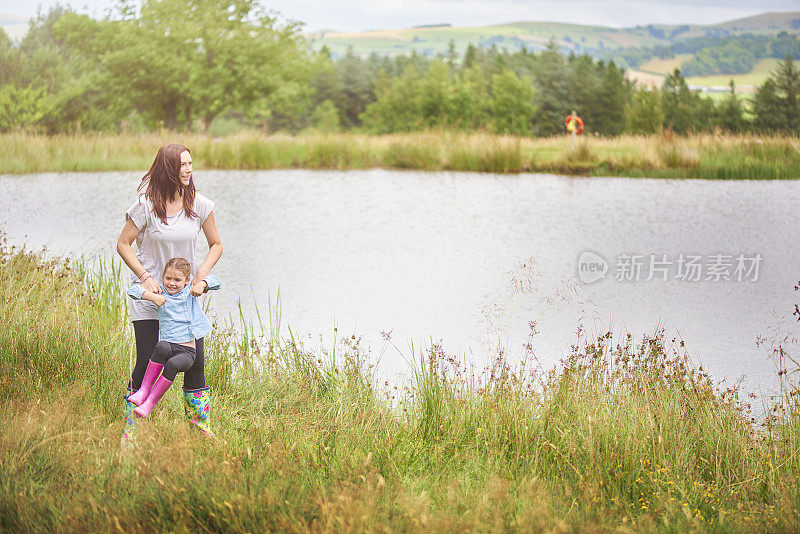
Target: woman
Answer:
[[165, 222]]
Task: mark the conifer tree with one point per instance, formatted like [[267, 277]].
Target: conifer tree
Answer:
[[552, 92], [644, 114], [731, 116], [357, 88], [677, 103], [613, 95], [787, 82], [470, 55], [767, 109], [584, 79]]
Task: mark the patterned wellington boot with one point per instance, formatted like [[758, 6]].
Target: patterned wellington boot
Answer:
[[197, 407], [128, 439]]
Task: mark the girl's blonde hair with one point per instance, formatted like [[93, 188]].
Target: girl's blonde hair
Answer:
[[181, 265]]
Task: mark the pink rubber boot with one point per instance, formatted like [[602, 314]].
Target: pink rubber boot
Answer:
[[150, 375], [159, 388]]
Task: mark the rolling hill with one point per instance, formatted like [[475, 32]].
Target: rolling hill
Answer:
[[435, 39], [597, 41]]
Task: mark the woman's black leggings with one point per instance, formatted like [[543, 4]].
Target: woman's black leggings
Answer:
[[146, 332]]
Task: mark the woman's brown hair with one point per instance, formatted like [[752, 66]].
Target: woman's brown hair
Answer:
[[163, 181]]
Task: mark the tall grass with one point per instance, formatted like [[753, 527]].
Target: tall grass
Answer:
[[408, 154], [61, 325], [622, 435], [668, 156], [485, 153]]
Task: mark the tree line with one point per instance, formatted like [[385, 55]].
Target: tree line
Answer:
[[715, 54], [217, 65]]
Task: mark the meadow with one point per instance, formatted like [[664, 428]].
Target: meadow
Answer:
[[711, 156], [624, 434], [756, 77]]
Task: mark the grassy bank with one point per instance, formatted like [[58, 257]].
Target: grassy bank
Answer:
[[666, 156], [623, 435]]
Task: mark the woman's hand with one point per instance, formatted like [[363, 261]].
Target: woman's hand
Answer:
[[150, 285], [198, 287]]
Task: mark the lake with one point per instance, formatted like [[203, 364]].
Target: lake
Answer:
[[405, 259]]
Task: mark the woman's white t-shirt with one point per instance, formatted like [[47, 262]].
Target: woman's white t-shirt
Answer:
[[158, 242]]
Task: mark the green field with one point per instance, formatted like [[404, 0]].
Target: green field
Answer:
[[664, 66], [755, 77], [653, 72]]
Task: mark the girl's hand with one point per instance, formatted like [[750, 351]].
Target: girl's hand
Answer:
[[155, 298], [198, 287], [150, 285]]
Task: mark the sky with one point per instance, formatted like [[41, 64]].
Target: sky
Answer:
[[360, 15]]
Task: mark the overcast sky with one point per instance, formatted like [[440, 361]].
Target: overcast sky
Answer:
[[358, 15]]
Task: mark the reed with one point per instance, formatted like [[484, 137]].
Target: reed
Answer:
[[666, 156], [417, 154], [485, 153], [622, 435]]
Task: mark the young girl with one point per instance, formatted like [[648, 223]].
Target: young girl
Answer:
[[181, 321]]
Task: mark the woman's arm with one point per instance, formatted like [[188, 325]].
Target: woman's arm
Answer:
[[214, 253], [137, 292], [124, 249]]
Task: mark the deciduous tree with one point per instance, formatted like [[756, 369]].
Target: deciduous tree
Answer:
[[644, 114], [512, 105], [186, 60]]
